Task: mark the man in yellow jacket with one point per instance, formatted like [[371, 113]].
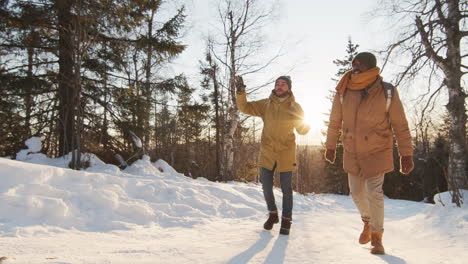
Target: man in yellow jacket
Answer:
[[367, 112], [281, 115]]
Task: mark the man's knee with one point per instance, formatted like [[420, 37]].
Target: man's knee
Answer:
[[266, 178], [286, 187], [375, 194]]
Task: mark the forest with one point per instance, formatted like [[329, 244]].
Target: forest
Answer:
[[86, 76]]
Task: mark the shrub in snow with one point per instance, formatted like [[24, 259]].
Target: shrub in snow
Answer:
[[445, 198], [33, 146], [163, 166]]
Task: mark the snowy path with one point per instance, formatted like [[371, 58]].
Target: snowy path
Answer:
[[327, 234], [142, 215]]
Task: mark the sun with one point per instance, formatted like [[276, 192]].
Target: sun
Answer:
[[315, 115]]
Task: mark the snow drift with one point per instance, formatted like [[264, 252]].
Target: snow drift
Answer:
[[150, 213]]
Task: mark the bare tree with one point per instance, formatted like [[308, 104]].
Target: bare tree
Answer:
[[433, 41], [242, 21]]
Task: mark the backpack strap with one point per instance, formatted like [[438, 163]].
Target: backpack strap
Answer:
[[342, 97], [388, 91]]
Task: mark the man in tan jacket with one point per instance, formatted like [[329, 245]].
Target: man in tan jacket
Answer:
[[366, 123], [281, 115]]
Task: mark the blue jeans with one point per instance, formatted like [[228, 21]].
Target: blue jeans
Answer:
[[266, 177]]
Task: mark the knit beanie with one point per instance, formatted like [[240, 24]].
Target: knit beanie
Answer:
[[287, 79], [367, 59]]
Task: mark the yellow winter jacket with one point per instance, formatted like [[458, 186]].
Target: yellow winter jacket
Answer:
[[278, 144]]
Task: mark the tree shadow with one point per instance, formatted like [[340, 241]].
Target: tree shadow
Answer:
[[254, 249], [278, 252], [392, 259]]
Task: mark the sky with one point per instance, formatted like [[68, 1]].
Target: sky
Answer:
[[149, 213], [310, 34]]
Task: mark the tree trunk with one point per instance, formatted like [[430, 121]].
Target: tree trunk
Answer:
[[233, 113], [66, 111], [219, 169], [229, 149], [28, 96], [77, 107], [457, 148], [146, 134], [451, 66], [456, 106]]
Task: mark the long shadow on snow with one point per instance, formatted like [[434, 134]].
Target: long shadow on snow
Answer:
[[253, 250], [278, 252], [392, 259]]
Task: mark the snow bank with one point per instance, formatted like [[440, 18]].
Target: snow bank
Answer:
[[149, 213], [128, 210], [447, 216], [445, 199], [93, 200]]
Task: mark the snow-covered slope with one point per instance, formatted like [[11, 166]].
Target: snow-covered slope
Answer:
[[149, 213]]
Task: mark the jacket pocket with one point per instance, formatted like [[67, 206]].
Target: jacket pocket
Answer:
[[379, 140]]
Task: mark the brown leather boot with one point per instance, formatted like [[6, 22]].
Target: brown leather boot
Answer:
[[376, 242], [272, 219], [365, 236]]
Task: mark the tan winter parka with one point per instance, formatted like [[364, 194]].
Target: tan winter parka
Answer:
[[278, 143], [366, 130]]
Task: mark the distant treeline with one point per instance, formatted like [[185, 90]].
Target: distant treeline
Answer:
[[86, 75]]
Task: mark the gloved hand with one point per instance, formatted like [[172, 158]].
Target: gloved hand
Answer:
[[406, 164], [239, 82], [330, 155]]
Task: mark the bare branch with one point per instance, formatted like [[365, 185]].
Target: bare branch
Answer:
[[34, 64], [393, 46], [268, 63], [410, 69], [430, 99], [427, 45], [218, 58], [6, 45]]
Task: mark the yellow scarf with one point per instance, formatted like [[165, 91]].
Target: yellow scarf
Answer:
[[357, 81]]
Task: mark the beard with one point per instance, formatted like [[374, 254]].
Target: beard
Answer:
[[284, 94]]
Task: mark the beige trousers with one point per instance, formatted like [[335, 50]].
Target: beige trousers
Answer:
[[368, 196]]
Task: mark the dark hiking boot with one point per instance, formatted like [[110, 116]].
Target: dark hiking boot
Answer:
[[285, 225], [272, 219]]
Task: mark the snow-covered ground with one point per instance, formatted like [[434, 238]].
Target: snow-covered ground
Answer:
[[149, 213]]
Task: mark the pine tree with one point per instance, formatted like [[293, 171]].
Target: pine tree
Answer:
[[338, 178], [210, 82], [68, 60], [191, 119], [344, 64], [25, 81]]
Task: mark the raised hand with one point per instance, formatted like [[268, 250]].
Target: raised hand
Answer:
[[239, 82]]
